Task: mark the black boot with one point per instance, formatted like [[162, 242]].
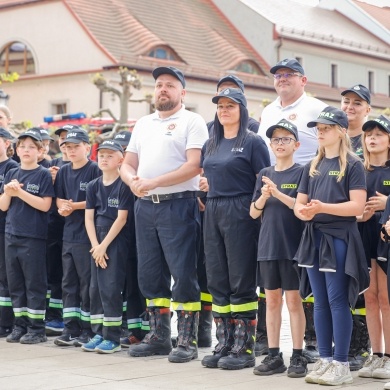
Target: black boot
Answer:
[[205, 325], [158, 340], [310, 351], [224, 333], [261, 345], [187, 345], [242, 353], [359, 348]]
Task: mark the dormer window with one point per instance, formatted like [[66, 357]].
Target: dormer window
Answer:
[[248, 67], [163, 53]]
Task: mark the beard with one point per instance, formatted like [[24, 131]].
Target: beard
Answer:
[[167, 105]]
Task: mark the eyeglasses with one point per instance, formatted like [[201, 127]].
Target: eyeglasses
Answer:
[[285, 140], [278, 76]]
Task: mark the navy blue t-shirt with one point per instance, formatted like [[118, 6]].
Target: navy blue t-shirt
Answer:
[[281, 230], [107, 200], [58, 162], [72, 184], [325, 187], [44, 163], [5, 166], [232, 172], [22, 219]]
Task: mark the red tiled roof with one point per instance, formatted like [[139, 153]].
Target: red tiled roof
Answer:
[[381, 14]]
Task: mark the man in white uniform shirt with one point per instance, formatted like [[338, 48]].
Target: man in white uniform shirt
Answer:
[[162, 167]]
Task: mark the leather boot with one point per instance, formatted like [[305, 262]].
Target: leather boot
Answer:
[[310, 352], [225, 337], [205, 325], [261, 345], [187, 344], [242, 354], [158, 340]]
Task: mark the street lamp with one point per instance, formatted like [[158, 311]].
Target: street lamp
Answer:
[[4, 97]]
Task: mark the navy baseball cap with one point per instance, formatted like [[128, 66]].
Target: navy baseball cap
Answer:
[[76, 136], [290, 63], [360, 90], [123, 137], [32, 133], [234, 94], [331, 116], [5, 133], [230, 78], [381, 121], [170, 70], [67, 128], [112, 145], [44, 134], [284, 124]]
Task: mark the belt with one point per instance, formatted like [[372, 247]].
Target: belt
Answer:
[[157, 198]]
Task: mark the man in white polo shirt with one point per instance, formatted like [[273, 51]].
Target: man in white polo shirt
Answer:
[[294, 105], [162, 167]]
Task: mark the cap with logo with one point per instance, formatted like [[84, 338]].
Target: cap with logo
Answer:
[[76, 136], [170, 70], [290, 63], [331, 116], [4, 133], [123, 137], [283, 124], [234, 94], [381, 121], [67, 128], [44, 134], [112, 145], [360, 90], [32, 133], [231, 78]]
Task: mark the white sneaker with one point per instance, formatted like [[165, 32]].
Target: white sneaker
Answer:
[[319, 368], [369, 366], [382, 370], [336, 374], [387, 386]]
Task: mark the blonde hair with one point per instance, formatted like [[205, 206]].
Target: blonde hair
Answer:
[[344, 151], [6, 111], [366, 153]]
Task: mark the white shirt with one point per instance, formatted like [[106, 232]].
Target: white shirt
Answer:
[[302, 111], [161, 145]]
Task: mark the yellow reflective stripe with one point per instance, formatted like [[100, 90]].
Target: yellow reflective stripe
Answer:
[[188, 306], [359, 312], [308, 300], [221, 309], [206, 297], [244, 307], [158, 302], [262, 295]]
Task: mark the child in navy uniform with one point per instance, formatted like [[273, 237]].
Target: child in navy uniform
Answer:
[[27, 195], [331, 193], [274, 200], [6, 163], [71, 184], [110, 205]]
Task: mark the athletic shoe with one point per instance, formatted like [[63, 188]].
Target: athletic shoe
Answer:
[[382, 371], [298, 367], [129, 340], [91, 345], [33, 338], [336, 374], [271, 365], [66, 340], [319, 369], [54, 327], [261, 345], [369, 366], [83, 338], [4, 332], [107, 346], [15, 335], [310, 353], [387, 386]]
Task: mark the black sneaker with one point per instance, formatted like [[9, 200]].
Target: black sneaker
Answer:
[[298, 367], [83, 338], [271, 365], [33, 338], [15, 335], [4, 332], [65, 340], [310, 353]]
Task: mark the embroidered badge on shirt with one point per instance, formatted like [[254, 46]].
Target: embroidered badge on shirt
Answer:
[[170, 128], [292, 117]]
